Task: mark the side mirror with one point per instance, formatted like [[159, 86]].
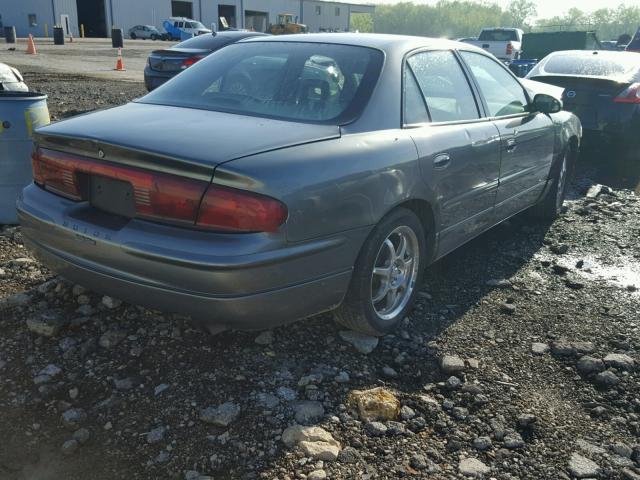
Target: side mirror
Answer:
[[546, 104]]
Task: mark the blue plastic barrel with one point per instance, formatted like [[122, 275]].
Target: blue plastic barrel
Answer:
[[20, 114], [521, 67]]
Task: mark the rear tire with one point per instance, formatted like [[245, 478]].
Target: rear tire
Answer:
[[550, 206], [385, 279]]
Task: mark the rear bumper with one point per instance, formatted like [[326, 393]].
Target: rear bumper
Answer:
[[235, 281], [153, 79]]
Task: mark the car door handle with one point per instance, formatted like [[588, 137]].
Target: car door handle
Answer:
[[511, 144], [442, 160]]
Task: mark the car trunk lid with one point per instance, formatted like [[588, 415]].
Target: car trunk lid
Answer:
[[183, 141], [173, 59], [586, 96]]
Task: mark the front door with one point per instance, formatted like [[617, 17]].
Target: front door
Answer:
[[527, 139], [458, 151]]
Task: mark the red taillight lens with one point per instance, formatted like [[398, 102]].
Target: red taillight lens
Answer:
[[50, 172], [234, 210], [191, 60], [509, 48], [629, 95], [162, 197], [157, 196]]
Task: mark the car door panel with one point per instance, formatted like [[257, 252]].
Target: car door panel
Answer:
[[458, 152], [527, 139], [466, 187], [526, 153]]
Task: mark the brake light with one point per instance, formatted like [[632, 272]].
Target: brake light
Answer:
[[56, 176], [187, 62], [629, 95], [235, 210], [509, 48], [162, 197], [157, 196]]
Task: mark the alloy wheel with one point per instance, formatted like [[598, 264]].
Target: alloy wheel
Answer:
[[395, 272]]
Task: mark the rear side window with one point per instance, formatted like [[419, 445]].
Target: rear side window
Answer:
[[444, 86], [415, 111], [498, 36], [311, 82], [207, 41], [597, 65], [504, 94]]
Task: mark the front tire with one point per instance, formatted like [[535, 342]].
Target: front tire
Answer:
[[551, 204], [132, 36], [385, 278]]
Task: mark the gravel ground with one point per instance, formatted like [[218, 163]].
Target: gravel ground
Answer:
[[519, 361]]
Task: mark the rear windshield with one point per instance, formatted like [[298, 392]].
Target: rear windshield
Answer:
[[596, 65], [207, 42], [312, 82], [498, 36]]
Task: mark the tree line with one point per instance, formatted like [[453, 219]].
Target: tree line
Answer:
[[465, 18]]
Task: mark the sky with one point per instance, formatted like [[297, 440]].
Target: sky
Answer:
[[546, 8]]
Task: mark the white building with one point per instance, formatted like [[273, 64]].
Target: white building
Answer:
[[99, 16]]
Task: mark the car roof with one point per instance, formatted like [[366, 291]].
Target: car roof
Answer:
[[381, 41], [612, 54]]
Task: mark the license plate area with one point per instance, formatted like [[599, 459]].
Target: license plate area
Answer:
[[112, 196]]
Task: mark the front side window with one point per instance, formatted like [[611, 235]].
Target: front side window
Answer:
[[503, 94], [444, 86], [291, 81]]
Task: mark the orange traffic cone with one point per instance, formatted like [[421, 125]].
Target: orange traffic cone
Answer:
[[31, 46], [119, 62]]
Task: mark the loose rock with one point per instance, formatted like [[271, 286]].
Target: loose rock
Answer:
[[582, 467], [619, 361], [46, 324], [450, 364], [222, 415], [362, 343], [375, 404], [472, 467]]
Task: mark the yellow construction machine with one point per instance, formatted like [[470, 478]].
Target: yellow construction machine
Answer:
[[286, 25]]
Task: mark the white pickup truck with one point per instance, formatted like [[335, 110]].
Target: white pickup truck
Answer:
[[504, 43]]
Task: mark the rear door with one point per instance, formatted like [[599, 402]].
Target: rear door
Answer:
[[458, 151], [526, 139]]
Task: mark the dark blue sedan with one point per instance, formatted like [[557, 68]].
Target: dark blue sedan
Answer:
[[167, 63], [602, 88]]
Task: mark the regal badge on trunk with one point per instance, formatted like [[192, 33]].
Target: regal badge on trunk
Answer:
[[100, 154]]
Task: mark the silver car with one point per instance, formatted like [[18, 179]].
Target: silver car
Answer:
[[145, 32], [11, 80], [281, 177]]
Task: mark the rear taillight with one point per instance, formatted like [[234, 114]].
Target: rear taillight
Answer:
[[187, 62], [629, 95], [162, 197], [509, 48], [239, 211], [157, 196]]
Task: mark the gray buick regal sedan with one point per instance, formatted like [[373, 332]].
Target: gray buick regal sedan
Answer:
[[282, 177]]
